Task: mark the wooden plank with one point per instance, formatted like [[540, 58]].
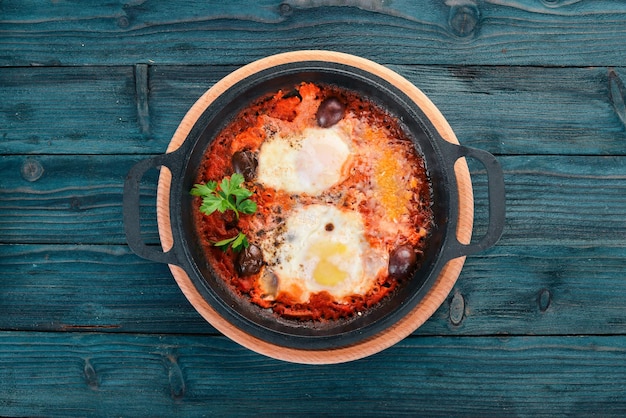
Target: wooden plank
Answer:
[[90, 288], [514, 290], [132, 375], [527, 110], [550, 200], [564, 200], [505, 110], [61, 110], [94, 110], [491, 32], [69, 199], [537, 290]]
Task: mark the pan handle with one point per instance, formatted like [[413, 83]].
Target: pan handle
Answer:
[[495, 188], [132, 222]]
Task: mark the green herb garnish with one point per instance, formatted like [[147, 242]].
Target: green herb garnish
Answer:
[[229, 194], [237, 243]]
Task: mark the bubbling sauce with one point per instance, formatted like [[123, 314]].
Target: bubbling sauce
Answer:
[[343, 203]]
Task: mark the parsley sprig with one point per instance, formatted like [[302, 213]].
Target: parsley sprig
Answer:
[[229, 194], [238, 242]]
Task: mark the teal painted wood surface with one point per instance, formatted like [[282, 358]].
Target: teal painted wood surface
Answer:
[[51, 109], [554, 200], [137, 375], [527, 32], [510, 290], [534, 327]]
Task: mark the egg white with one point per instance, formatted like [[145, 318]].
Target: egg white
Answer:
[[323, 249], [308, 162]]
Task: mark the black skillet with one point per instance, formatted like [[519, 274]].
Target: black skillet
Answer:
[[440, 157]]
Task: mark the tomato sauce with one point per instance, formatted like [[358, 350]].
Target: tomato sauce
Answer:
[[396, 212]]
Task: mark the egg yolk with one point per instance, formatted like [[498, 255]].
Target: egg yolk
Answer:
[[327, 272]]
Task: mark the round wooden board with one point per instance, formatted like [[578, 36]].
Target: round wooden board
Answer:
[[424, 310]]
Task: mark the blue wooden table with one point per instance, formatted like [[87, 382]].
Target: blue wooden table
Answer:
[[534, 326]]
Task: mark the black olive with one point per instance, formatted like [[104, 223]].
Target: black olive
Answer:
[[331, 111], [402, 261], [245, 163], [249, 260]]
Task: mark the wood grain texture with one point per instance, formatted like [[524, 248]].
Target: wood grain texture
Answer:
[[90, 288], [76, 200], [129, 375], [533, 327], [473, 32], [494, 108], [101, 110], [551, 200], [538, 290], [61, 110], [573, 200], [511, 290]]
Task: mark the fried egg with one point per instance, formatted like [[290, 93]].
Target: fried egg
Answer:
[[322, 248], [308, 162]]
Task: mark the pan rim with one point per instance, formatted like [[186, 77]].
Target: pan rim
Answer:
[[444, 282]]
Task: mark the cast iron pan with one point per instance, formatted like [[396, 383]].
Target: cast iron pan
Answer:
[[440, 157]]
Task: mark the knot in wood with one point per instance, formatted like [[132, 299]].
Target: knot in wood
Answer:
[[551, 3], [31, 170], [617, 94], [123, 22], [91, 378], [544, 298], [285, 9], [75, 204], [175, 377], [457, 309], [463, 20]]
